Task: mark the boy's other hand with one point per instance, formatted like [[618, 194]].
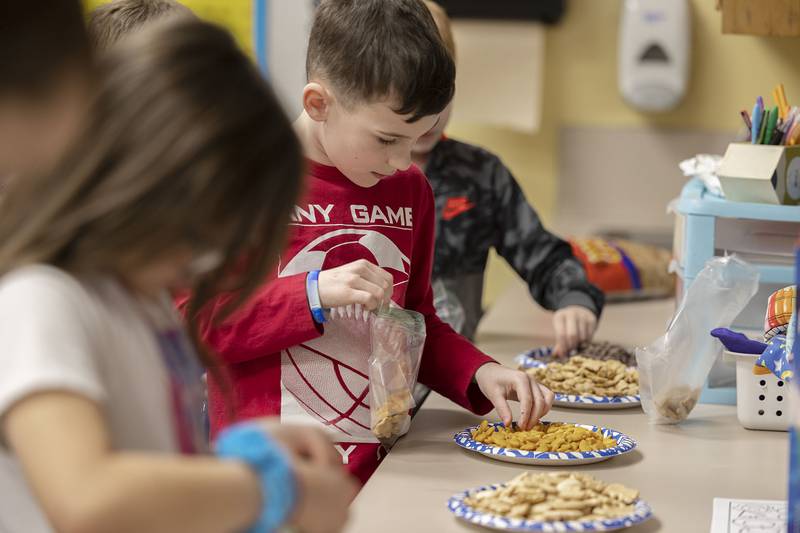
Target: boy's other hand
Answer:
[[500, 384], [573, 324], [359, 282]]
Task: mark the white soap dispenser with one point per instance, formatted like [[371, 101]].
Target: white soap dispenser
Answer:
[[654, 45]]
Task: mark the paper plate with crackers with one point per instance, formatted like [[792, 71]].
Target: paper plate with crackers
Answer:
[[596, 376], [546, 443], [551, 501]]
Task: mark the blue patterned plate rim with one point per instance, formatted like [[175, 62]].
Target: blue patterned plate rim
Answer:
[[641, 513], [530, 359], [624, 445]]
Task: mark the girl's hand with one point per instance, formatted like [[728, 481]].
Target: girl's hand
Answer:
[[573, 324], [359, 282], [500, 384], [325, 497], [325, 489], [308, 443]]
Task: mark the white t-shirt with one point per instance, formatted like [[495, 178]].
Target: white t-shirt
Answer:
[[58, 332]]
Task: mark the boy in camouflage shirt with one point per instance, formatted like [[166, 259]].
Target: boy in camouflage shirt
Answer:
[[479, 205]]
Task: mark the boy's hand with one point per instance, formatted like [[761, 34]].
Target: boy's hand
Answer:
[[574, 324], [500, 384], [359, 282]]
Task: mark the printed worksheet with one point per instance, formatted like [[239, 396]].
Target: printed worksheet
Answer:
[[748, 516]]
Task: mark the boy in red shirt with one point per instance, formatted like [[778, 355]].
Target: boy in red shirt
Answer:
[[379, 75]]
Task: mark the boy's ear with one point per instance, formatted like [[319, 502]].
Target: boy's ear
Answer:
[[316, 101]]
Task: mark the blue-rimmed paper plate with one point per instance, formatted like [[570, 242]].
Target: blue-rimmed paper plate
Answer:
[[641, 513], [513, 455], [536, 359]]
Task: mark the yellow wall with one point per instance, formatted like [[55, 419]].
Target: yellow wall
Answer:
[[236, 15], [580, 89]]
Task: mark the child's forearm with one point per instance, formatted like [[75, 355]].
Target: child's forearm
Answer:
[[84, 486], [135, 493]]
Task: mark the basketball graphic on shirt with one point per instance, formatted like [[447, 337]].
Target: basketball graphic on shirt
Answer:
[[328, 376], [345, 246]]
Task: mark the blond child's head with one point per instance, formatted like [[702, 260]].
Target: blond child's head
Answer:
[[427, 142], [443, 25], [379, 76], [110, 22]]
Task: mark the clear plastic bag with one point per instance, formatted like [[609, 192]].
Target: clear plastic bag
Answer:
[[673, 369], [448, 307], [397, 340]]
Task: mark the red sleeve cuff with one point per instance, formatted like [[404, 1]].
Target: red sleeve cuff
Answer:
[[454, 377]]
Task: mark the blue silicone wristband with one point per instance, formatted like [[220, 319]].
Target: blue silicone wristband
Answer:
[[249, 443], [312, 293]]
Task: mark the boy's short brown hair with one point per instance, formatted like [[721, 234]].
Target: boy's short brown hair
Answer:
[[110, 22], [39, 43], [443, 23], [373, 49]]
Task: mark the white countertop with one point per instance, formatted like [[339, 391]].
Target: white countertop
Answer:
[[678, 469]]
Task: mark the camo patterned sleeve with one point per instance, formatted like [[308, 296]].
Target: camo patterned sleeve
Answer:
[[479, 205], [555, 277]]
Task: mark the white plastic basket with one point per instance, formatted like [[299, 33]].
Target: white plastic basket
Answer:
[[762, 400]]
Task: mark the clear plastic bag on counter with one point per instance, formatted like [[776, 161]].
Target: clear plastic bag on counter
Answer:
[[397, 339], [673, 369]]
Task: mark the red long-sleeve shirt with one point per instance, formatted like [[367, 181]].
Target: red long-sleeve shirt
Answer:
[[282, 363]]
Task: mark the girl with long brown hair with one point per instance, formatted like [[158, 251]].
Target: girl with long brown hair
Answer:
[[185, 178]]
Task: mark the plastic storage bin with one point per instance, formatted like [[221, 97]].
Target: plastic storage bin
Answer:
[[762, 234], [762, 401]]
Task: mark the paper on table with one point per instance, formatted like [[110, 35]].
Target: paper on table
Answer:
[[500, 73], [748, 516]]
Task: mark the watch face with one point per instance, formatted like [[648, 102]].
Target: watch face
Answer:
[[793, 179]]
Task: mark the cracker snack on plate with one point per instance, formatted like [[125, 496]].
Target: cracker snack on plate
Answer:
[[582, 376], [556, 496], [553, 437]]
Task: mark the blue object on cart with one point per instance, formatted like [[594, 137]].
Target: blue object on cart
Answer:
[[701, 210], [738, 342], [794, 441], [776, 358]]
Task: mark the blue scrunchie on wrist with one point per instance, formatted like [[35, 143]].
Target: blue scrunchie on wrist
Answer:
[[312, 293], [248, 442]]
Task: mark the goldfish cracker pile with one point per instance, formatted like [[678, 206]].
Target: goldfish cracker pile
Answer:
[[392, 417], [582, 376], [553, 437], [554, 496]]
